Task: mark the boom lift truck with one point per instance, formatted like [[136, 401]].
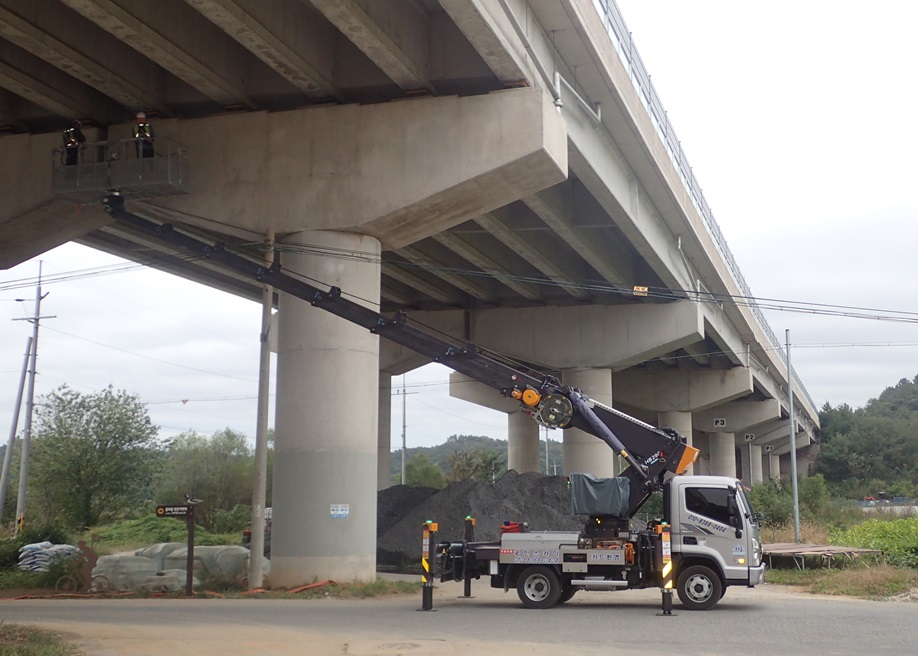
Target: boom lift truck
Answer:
[[709, 532]]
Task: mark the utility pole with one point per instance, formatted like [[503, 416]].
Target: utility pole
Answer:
[[546, 450], [404, 432], [30, 403], [793, 438], [259, 485], [8, 454]]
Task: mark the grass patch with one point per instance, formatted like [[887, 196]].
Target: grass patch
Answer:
[[16, 640], [863, 581], [138, 533]]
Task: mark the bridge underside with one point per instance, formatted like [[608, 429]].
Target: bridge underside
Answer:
[[409, 153]]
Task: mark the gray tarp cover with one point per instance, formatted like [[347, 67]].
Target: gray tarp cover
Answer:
[[598, 496]]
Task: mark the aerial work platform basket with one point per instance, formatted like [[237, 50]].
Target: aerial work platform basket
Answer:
[[102, 167]]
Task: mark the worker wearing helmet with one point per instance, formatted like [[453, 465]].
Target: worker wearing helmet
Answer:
[[143, 136], [73, 138]]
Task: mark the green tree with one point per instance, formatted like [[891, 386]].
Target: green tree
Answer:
[[489, 464], [774, 500], [94, 455], [217, 469], [460, 466], [481, 464], [421, 472]]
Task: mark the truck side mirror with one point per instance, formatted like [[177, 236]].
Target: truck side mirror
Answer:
[[737, 524]]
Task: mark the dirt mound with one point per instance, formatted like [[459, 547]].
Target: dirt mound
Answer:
[[542, 501]]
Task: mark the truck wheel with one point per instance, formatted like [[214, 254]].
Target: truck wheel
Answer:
[[567, 593], [538, 587], [699, 588]]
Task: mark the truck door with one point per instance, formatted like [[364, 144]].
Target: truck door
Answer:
[[709, 522]]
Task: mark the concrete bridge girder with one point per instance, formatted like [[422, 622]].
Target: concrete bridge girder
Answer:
[[489, 31], [681, 390], [738, 417], [588, 336], [780, 443]]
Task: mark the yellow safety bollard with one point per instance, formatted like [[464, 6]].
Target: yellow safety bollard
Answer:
[[666, 572], [427, 561]]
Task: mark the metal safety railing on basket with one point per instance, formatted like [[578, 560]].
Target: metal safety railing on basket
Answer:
[[92, 169]]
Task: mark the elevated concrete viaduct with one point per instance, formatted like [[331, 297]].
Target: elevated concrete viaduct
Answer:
[[502, 169]]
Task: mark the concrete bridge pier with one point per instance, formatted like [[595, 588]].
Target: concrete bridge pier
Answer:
[[723, 453], [523, 443], [774, 466], [751, 459], [584, 453], [326, 422]]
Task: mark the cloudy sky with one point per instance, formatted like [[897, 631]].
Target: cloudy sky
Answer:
[[798, 121]]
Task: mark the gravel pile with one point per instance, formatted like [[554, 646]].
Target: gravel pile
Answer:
[[542, 501]]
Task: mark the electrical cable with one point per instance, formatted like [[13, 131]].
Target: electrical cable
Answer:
[[151, 358]]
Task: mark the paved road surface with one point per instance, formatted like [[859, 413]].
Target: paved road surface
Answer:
[[769, 620]]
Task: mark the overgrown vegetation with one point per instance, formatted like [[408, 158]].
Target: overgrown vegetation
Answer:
[[153, 530], [897, 538]]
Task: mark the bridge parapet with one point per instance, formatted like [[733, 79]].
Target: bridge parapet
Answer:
[[627, 52], [118, 165]]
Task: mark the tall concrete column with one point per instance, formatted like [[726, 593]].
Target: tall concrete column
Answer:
[[523, 443], [702, 442], [755, 467], [723, 454], [326, 421], [384, 433], [774, 466], [751, 456], [681, 421], [584, 453]]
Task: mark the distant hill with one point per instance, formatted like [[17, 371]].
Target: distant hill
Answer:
[[873, 448]]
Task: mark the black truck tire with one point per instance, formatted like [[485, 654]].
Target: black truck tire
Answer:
[[699, 588], [538, 587], [567, 593]]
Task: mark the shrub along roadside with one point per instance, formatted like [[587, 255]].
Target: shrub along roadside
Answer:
[[897, 538], [153, 530]]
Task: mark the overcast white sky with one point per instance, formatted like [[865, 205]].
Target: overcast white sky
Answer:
[[798, 120]]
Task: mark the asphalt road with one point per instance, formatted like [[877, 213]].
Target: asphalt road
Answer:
[[769, 620]]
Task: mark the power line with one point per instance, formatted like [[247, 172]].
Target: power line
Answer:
[[766, 303], [152, 358]]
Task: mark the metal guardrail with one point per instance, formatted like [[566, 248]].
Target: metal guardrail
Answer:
[[621, 38], [117, 165]]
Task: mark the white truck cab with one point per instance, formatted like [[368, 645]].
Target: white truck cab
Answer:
[[715, 537]]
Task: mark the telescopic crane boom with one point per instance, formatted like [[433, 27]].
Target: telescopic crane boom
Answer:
[[650, 452]]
